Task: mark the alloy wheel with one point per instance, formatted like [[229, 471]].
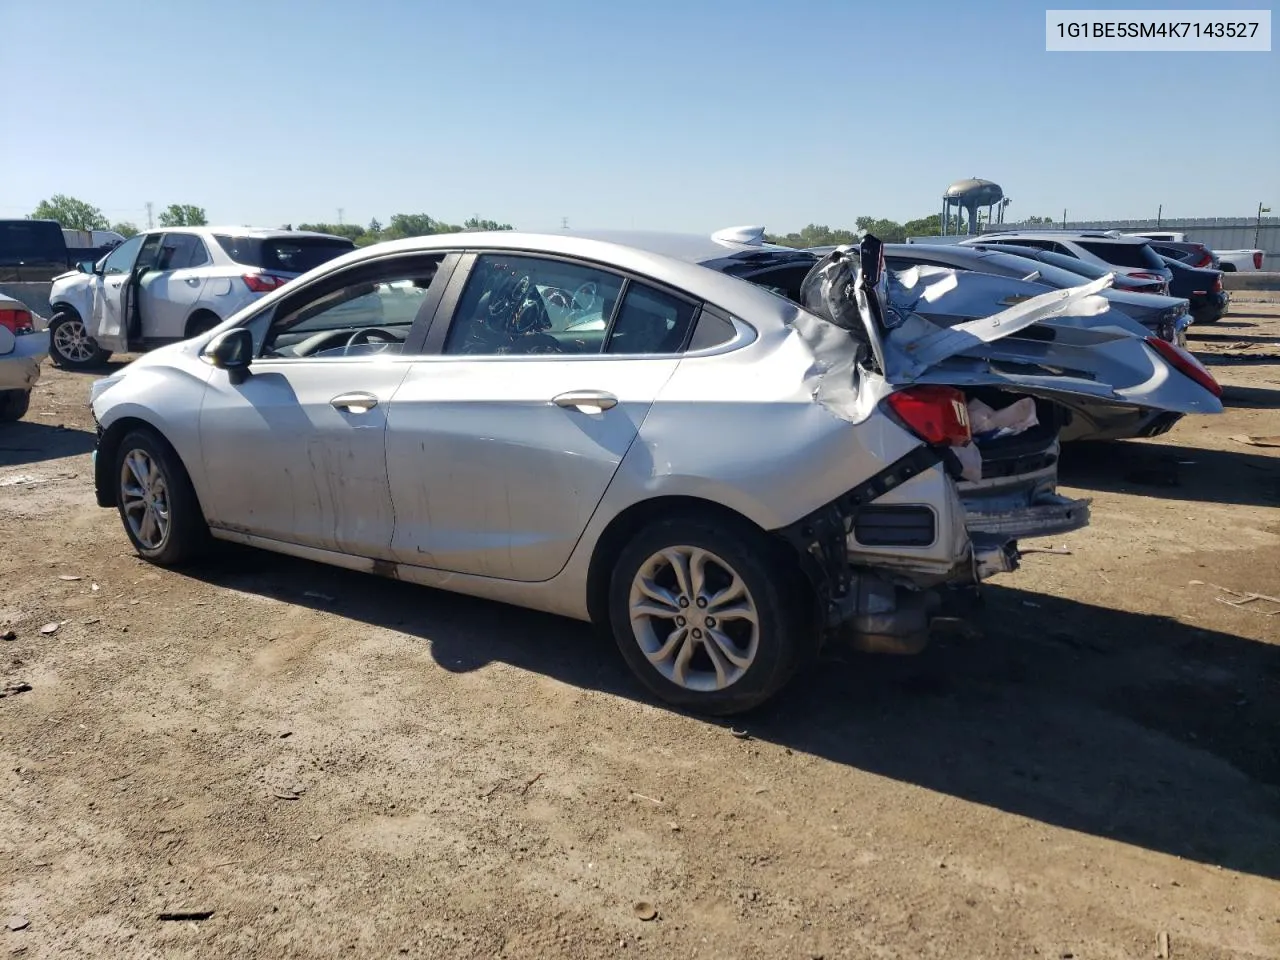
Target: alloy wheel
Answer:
[[694, 618], [144, 498], [73, 342]]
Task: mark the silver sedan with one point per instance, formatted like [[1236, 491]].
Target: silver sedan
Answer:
[[612, 429]]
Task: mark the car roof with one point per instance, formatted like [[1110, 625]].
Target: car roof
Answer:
[[1058, 235], [257, 233]]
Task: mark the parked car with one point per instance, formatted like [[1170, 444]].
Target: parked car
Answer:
[[1192, 254], [37, 251], [1129, 255], [606, 428], [22, 348], [1082, 268], [1202, 289], [163, 286], [1231, 261]]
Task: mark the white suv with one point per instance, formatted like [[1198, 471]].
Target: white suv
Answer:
[[167, 285], [1131, 256]]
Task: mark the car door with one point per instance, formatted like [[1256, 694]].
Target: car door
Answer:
[[501, 445], [295, 452], [110, 283], [169, 293]]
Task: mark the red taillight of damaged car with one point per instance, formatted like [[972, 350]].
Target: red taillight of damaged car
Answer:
[[263, 282], [1185, 364], [15, 321], [937, 415]]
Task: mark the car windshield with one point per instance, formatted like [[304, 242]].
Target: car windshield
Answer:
[[284, 254], [1124, 254]]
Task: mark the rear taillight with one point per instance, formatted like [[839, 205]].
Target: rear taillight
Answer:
[[1148, 276], [1257, 259], [1185, 364], [938, 415], [263, 282], [1217, 284], [15, 320]]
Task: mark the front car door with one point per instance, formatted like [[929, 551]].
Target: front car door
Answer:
[[106, 325], [169, 293], [295, 453], [502, 440]]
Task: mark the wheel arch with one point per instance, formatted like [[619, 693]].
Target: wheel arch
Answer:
[[109, 439], [200, 320], [622, 528]]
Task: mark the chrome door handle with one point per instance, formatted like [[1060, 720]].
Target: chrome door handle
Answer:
[[354, 402], [588, 401], [192, 281]]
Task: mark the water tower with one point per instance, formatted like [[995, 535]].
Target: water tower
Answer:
[[969, 195]]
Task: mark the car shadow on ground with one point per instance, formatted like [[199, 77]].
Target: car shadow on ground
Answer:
[[28, 442], [1173, 472], [1260, 398], [1136, 728], [110, 368]]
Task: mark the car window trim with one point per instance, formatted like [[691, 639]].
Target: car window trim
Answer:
[[447, 316]]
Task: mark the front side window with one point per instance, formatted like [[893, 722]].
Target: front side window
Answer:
[[120, 260], [371, 313], [524, 305]]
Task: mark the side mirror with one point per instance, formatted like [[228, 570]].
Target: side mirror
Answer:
[[231, 351], [85, 266]]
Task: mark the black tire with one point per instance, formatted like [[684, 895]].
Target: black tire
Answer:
[[14, 404], [187, 536], [1227, 267], [67, 343], [787, 637]]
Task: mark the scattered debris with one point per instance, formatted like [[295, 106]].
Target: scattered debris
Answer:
[[185, 915], [1258, 441], [16, 687], [675, 827], [317, 837], [641, 796], [1162, 945], [17, 923], [530, 783], [1058, 551], [69, 577], [9, 635], [740, 734], [645, 911], [286, 795], [491, 791], [92, 620], [317, 595], [286, 734], [50, 628]]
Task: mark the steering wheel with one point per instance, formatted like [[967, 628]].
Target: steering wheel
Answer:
[[366, 335], [586, 296], [504, 300]]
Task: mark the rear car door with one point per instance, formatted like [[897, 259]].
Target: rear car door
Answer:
[[501, 445], [295, 452], [169, 293]]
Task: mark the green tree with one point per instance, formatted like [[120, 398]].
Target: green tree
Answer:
[[183, 215], [888, 231], [375, 227], [815, 235], [474, 223], [125, 229], [351, 231], [411, 225], [71, 214]]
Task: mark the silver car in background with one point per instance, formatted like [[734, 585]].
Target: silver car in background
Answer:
[[618, 429]]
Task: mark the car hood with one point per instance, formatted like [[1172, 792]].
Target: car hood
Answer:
[[71, 280]]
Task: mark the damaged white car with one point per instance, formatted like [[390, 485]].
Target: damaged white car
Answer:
[[617, 430], [22, 347]]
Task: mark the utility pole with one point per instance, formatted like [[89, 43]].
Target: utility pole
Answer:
[[1064, 218], [1159, 214], [564, 223], [340, 216], [1257, 230], [150, 223]]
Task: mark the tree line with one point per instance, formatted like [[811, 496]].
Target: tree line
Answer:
[[400, 226]]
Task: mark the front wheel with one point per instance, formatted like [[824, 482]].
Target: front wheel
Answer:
[[157, 503], [712, 619], [70, 345]]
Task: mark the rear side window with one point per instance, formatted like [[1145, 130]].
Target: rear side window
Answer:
[[284, 254], [1124, 254], [650, 321], [180, 251]]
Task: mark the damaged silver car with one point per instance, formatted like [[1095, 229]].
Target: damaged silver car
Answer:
[[621, 430]]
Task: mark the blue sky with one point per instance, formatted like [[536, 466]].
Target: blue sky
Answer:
[[684, 115]]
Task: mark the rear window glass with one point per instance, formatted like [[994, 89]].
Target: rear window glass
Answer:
[[284, 254], [1124, 254]]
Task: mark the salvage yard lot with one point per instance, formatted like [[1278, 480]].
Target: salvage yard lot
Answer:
[[336, 765]]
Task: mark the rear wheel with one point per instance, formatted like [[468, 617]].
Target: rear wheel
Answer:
[[710, 618], [14, 404], [71, 346], [156, 501], [201, 323]]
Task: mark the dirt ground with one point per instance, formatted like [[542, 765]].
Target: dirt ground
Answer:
[[337, 766]]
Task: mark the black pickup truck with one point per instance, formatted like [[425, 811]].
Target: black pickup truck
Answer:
[[35, 250]]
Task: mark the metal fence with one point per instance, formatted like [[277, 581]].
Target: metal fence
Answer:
[[1217, 233]]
